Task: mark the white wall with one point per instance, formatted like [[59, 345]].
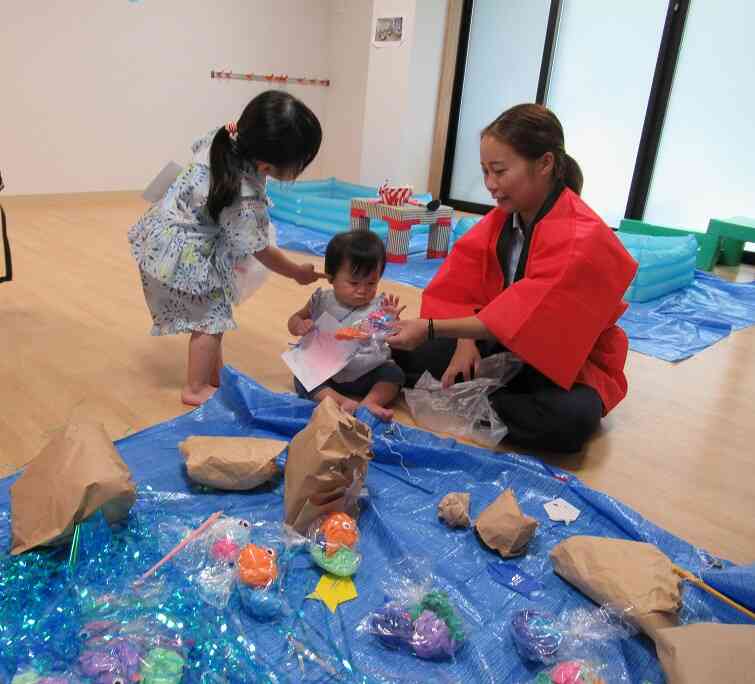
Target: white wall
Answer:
[[348, 55], [424, 82], [99, 95], [387, 93], [401, 97]]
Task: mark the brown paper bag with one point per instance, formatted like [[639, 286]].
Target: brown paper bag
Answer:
[[236, 463], [453, 509], [326, 466], [707, 652], [76, 474], [504, 528], [631, 576]]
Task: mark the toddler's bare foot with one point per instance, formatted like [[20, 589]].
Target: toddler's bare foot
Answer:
[[378, 411], [349, 405], [197, 398]]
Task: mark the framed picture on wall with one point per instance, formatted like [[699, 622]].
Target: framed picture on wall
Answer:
[[388, 31]]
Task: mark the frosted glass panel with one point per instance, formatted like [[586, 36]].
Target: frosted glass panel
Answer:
[[503, 64], [706, 160], [603, 67]]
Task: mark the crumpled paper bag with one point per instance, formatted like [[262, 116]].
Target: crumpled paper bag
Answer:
[[504, 528], [78, 473], [236, 463], [633, 577], [453, 509], [707, 652], [326, 467]]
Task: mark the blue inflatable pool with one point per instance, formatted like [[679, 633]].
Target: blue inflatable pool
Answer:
[[323, 205]]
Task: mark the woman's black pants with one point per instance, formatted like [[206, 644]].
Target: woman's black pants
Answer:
[[538, 413]]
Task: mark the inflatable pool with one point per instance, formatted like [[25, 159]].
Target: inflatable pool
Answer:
[[324, 205], [666, 264]]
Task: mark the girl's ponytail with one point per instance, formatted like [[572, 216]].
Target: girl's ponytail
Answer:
[[225, 176]]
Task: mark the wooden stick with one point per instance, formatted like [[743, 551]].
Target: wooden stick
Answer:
[[687, 576], [180, 546]]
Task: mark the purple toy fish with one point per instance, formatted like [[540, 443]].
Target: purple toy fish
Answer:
[[393, 625], [431, 639], [116, 664]]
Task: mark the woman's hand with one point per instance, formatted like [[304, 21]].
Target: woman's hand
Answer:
[[466, 360], [306, 274], [408, 334], [391, 306]]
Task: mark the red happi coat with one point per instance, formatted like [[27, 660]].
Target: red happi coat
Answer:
[[560, 316]]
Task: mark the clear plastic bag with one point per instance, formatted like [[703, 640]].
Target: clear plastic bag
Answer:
[[210, 560], [262, 567], [371, 350], [333, 541], [464, 409], [573, 672], [250, 275], [31, 676], [419, 618], [540, 636]]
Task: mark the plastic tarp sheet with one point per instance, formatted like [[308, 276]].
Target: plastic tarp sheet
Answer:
[[683, 323], [673, 327], [400, 537]]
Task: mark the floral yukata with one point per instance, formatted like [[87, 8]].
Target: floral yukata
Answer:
[[186, 260]]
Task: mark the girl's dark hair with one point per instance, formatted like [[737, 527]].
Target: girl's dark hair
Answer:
[[275, 128], [532, 130], [363, 249]]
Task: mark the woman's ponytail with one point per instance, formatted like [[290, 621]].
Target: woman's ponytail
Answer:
[[225, 176], [572, 174]]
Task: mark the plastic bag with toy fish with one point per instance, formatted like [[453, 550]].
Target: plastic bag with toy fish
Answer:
[[419, 617], [210, 561], [333, 541], [262, 567], [371, 349]]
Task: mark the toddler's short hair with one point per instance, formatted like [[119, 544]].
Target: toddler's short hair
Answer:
[[363, 249]]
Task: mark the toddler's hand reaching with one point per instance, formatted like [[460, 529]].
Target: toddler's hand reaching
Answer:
[[301, 326], [306, 274], [391, 306]]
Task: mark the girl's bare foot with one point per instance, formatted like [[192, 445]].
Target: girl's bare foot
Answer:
[[198, 397], [380, 412]]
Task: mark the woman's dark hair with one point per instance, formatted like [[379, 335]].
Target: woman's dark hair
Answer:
[[275, 128], [363, 249], [532, 130]]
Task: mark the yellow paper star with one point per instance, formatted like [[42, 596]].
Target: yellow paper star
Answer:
[[333, 591]]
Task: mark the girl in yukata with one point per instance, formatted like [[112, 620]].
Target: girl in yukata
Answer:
[[192, 245]]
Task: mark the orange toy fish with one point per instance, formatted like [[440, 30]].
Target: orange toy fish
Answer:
[[338, 529], [351, 334], [257, 566]]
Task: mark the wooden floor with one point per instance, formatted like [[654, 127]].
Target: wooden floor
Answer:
[[74, 342]]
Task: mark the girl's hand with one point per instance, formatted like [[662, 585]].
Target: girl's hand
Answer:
[[408, 334], [301, 326], [466, 360], [306, 274], [391, 307]]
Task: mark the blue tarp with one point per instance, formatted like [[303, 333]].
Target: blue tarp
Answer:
[[673, 327], [401, 536]]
